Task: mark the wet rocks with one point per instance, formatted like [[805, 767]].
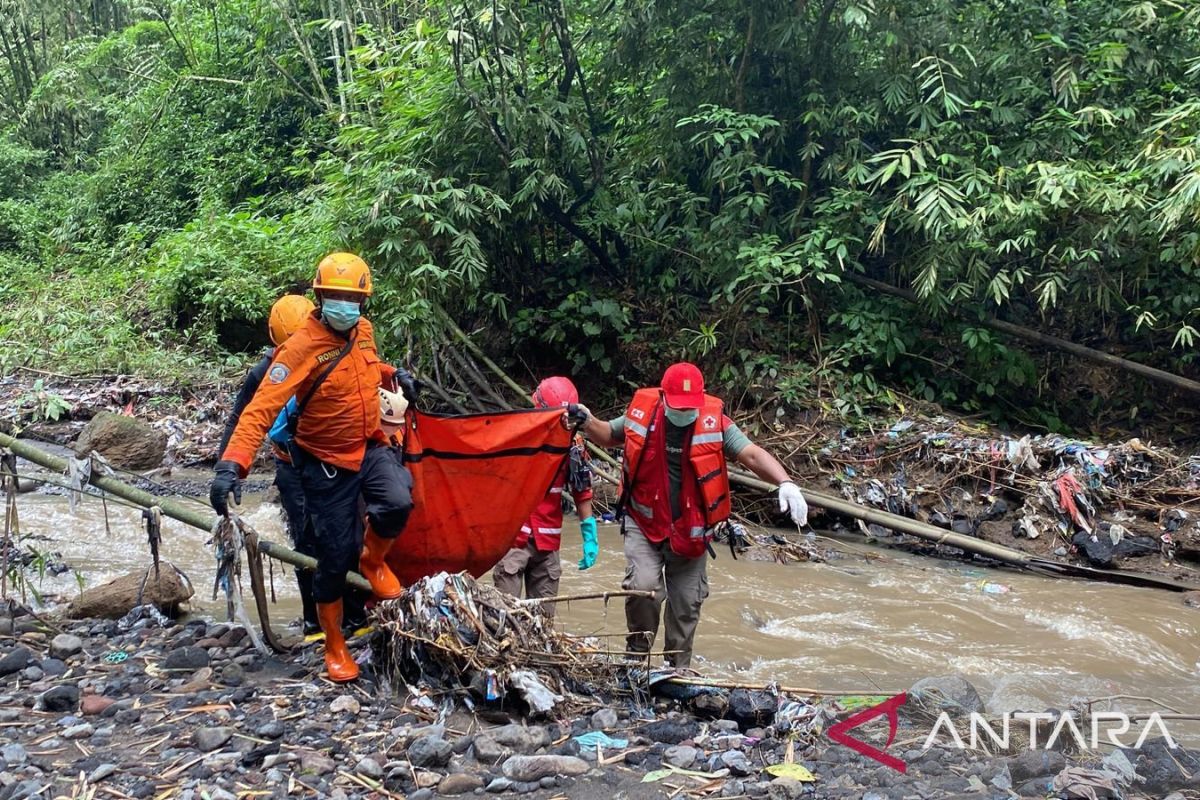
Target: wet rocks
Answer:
[[270, 730], [671, 730], [752, 708], [345, 704], [785, 789], [459, 783], [65, 645], [14, 754], [369, 767], [60, 698], [736, 762], [430, 751], [528, 769], [681, 756], [1034, 763], [127, 442], [16, 660], [519, 738], [314, 763], [187, 658], [1164, 769], [94, 704], [605, 719], [209, 739], [82, 730]]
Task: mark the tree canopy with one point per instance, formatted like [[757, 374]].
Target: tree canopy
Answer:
[[610, 185]]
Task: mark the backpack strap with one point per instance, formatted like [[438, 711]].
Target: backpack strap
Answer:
[[294, 417]]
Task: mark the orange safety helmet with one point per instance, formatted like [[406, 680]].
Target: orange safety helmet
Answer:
[[288, 316], [343, 272]]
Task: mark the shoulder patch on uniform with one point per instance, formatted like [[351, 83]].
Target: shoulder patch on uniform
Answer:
[[637, 413], [710, 422], [278, 373]]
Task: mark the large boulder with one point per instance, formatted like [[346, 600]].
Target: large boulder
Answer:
[[126, 442], [116, 598]]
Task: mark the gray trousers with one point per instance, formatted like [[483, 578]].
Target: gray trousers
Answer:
[[540, 570], [682, 582]]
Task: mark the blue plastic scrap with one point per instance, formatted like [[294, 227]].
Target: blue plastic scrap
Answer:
[[593, 738]]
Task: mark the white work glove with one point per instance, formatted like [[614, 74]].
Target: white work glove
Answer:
[[793, 502]]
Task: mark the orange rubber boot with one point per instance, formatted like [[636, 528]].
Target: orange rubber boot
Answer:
[[338, 661], [374, 568]]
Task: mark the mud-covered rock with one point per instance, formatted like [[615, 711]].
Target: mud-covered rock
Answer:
[[126, 442]]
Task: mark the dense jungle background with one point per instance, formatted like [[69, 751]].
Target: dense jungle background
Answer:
[[605, 186]]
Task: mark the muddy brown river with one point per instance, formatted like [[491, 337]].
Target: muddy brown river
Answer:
[[852, 623]]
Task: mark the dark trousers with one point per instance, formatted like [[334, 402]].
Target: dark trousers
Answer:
[[331, 498], [300, 531]]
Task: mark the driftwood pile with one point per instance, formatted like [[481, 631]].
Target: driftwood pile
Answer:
[[455, 635]]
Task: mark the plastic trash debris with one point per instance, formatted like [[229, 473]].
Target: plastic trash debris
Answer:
[[146, 611], [593, 738], [794, 771], [536, 694], [856, 702], [1118, 763], [668, 771], [988, 587]]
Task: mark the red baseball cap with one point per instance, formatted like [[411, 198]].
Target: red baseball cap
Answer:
[[683, 385]]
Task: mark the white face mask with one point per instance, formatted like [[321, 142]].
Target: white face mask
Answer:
[[681, 417]]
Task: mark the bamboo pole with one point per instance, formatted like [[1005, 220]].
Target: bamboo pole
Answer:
[[682, 681], [1029, 335], [566, 598], [196, 517]]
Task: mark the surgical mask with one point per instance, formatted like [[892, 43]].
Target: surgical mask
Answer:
[[681, 417], [342, 315]]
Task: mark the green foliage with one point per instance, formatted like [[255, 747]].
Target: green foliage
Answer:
[[232, 266], [611, 188]]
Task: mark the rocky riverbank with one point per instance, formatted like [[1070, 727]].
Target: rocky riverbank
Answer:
[[163, 709]]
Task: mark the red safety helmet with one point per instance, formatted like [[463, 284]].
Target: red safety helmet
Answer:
[[554, 392]]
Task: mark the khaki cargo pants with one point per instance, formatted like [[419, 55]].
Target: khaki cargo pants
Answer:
[[539, 569], [682, 582]]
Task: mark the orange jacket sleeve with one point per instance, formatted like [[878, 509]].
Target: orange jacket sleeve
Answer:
[[287, 373]]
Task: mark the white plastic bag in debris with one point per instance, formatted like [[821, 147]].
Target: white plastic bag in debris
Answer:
[[536, 693]]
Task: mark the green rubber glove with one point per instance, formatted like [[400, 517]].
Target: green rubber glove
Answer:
[[591, 545]]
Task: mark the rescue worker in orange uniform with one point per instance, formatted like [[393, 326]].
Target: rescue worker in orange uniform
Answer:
[[288, 314], [674, 494], [333, 367], [533, 559]]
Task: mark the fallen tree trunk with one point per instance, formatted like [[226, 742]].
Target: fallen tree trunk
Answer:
[[202, 518], [1037, 337]]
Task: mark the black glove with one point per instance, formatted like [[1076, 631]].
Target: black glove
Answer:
[[578, 414], [225, 481], [409, 385]]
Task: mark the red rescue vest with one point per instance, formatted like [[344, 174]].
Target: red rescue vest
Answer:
[[704, 490], [545, 524]]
